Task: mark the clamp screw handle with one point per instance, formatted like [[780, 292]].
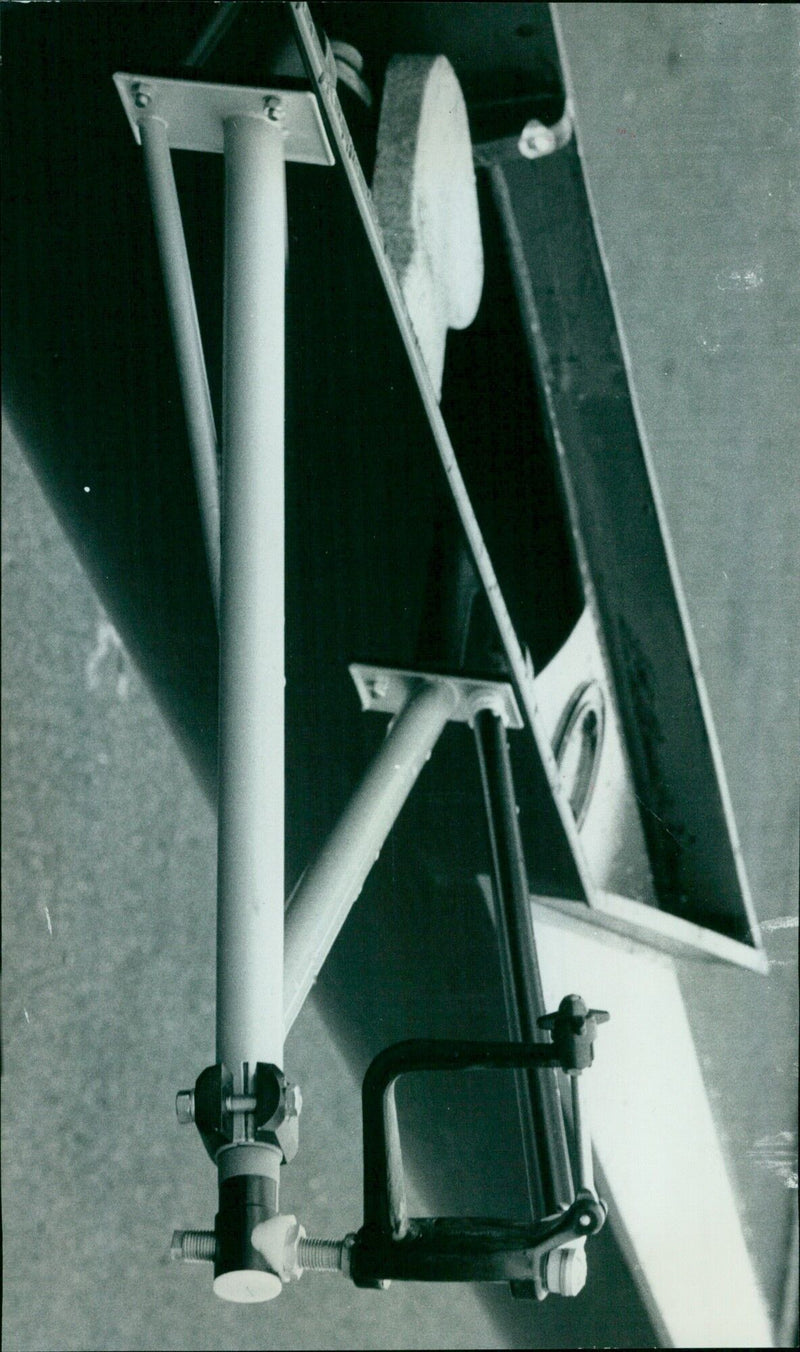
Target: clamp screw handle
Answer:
[[573, 1029]]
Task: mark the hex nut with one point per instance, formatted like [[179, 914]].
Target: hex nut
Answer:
[[184, 1106], [293, 1101]]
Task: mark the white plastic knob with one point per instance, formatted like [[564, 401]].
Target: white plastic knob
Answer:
[[278, 1241]]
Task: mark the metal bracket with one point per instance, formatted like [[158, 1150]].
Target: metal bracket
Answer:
[[387, 690], [194, 114], [390, 1244]]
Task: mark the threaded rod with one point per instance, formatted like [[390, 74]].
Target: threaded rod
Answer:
[[194, 1246], [321, 1255], [313, 1255]]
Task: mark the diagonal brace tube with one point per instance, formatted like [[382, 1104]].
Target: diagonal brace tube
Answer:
[[186, 336], [327, 890]]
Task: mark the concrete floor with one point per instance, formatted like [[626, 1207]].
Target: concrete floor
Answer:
[[689, 123], [689, 119]]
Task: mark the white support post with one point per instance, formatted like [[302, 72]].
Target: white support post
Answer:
[[251, 726]]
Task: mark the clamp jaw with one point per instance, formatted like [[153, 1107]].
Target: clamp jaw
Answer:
[[272, 1110]]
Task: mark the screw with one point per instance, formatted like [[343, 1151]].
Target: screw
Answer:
[[241, 1103], [377, 687], [585, 1219], [142, 95], [184, 1106], [274, 108]]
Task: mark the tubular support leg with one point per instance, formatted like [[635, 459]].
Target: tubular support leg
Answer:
[[251, 755], [327, 890], [186, 337], [251, 698], [544, 1141]]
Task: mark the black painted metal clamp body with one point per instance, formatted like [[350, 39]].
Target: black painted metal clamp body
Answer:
[[392, 1245]]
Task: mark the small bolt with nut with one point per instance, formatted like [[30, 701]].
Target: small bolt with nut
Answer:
[[537, 140], [142, 95], [274, 109]]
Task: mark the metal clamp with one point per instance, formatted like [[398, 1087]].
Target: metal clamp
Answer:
[[392, 1245]]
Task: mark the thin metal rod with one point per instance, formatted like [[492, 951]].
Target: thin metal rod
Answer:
[[581, 1134], [543, 1136], [186, 337], [327, 890], [251, 726], [212, 35]]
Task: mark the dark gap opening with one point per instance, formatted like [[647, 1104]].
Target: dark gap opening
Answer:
[[492, 412]]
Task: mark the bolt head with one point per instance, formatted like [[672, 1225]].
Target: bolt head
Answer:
[[274, 109], [536, 140], [142, 95], [184, 1106], [377, 687]]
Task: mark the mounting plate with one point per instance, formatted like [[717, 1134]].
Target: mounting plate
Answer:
[[194, 114], [386, 690]]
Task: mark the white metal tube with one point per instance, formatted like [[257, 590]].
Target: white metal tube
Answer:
[[251, 726], [327, 890], [185, 336]]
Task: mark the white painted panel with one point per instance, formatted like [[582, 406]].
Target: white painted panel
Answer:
[[655, 1139]]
